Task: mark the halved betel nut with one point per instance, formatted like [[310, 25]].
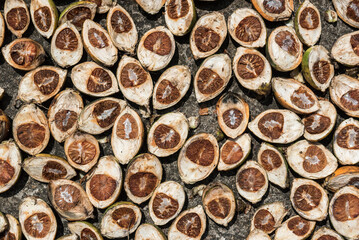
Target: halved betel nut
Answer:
[[127, 135], [151, 7], [148, 231], [98, 43], [325, 233], [346, 49], [13, 232], [122, 29], [2, 29], [78, 12], [344, 212], [296, 228], [85, 230], [102, 5], [198, 158], [69, 237], [343, 176], [4, 223], [319, 125], [257, 235], [4, 126], [252, 70], [252, 181], [37, 219], [208, 35], [70, 200], [247, 28], [284, 49], [171, 87], [44, 16], [66, 45], [168, 134], [144, 174], [120, 220], [82, 151], [100, 115], [311, 160], [94, 80], [104, 184], [180, 16], [307, 23], [219, 203], [232, 114], [134, 81], [346, 142], [24, 54], [268, 217], [344, 92], [46, 167], [317, 67], [166, 202], [63, 114], [212, 77], [348, 11], [274, 10], [41, 84], [277, 126], [233, 152], [273, 162], [17, 16], [10, 165], [190, 224], [156, 48], [30, 129], [309, 199]]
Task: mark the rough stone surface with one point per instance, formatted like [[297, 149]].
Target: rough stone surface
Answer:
[[239, 227]]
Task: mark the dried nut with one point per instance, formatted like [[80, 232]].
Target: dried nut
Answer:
[[346, 49], [212, 77], [151, 7], [296, 228], [193, 122], [94, 80], [274, 10], [156, 48], [46, 167], [180, 16], [331, 16], [2, 29], [122, 29], [14, 230], [4, 223], [4, 126], [257, 235], [171, 87], [103, 6], [37, 219], [284, 50], [347, 11], [17, 16], [10, 165], [208, 35], [166, 202], [273, 162], [120, 220], [268, 217], [343, 176], [85, 230], [247, 28], [44, 16], [77, 13], [190, 224], [311, 160], [70, 200], [198, 158], [98, 43], [295, 96], [233, 152], [24, 54], [63, 114], [168, 134], [82, 151], [326, 233], [30, 129], [346, 142], [144, 174], [232, 114], [277, 126], [105, 182], [66, 45], [41, 84], [146, 230]]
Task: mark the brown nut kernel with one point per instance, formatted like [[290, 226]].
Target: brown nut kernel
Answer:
[[87, 234], [250, 66], [177, 9], [127, 127], [201, 152], [141, 184], [67, 40], [348, 137], [120, 22], [17, 18], [38, 225], [220, 207], [102, 186], [206, 39], [346, 207], [314, 159], [65, 119], [31, 135], [82, 152], [270, 160], [124, 217], [23, 53], [309, 18], [164, 206], [7, 172], [167, 92], [166, 137], [97, 38], [53, 170], [316, 123], [46, 81], [321, 71], [271, 125], [354, 42], [99, 81], [190, 225], [209, 81], [264, 220], [274, 6], [307, 197], [106, 112], [133, 75], [302, 99], [231, 152], [249, 29], [78, 15], [352, 10], [287, 42], [350, 100], [42, 17], [298, 226], [159, 43], [67, 197], [251, 180]]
